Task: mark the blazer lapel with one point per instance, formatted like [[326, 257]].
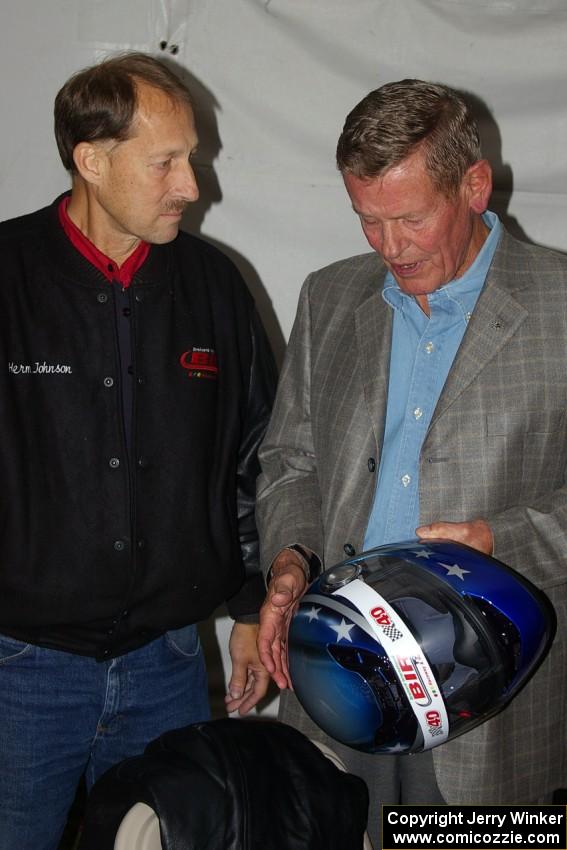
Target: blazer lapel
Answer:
[[496, 318], [373, 322]]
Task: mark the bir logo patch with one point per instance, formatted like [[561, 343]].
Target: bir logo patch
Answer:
[[200, 363]]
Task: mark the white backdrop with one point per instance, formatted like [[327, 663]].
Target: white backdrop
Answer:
[[273, 80]]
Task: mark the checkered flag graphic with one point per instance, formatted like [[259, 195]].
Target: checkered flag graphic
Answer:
[[392, 632]]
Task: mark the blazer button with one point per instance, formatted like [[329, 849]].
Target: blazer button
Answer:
[[371, 464], [349, 549]]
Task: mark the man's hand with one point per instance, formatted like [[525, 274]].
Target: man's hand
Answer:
[[476, 533], [286, 589], [250, 679]]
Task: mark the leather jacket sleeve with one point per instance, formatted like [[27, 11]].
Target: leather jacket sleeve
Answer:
[[261, 392]]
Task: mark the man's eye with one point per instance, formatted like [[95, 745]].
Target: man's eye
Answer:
[[163, 165]]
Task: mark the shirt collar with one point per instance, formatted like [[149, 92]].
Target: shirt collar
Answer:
[[123, 274], [461, 292]]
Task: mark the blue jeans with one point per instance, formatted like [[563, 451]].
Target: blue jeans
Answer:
[[64, 715]]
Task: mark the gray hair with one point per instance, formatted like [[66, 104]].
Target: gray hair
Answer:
[[396, 120]]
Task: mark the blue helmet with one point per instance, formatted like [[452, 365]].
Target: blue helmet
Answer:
[[407, 646]]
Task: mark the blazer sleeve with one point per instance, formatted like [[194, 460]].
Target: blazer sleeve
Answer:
[[288, 504]]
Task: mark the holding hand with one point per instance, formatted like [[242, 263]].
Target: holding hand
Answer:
[[286, 588], [476, 534], [250, 679]]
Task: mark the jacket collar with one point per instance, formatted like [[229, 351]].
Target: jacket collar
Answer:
[[71, 263]]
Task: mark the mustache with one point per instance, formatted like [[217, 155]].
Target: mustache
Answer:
[[176, 206]]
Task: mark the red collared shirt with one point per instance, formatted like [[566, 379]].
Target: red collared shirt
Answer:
[[113, 273]]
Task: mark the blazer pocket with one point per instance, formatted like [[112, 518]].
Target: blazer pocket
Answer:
[[525, 422]]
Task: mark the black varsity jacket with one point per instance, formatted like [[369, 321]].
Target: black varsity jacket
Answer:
[[127, 496]]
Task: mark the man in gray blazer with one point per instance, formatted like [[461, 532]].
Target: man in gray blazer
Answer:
[[424, 393]]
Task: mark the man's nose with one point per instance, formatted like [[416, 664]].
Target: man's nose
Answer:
[[186, 183], [392, 240]]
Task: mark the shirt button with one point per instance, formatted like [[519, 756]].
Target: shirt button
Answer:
[[143, 462], [418, 413], [429, 347], [119, 545], [114, 462], [371, 464], [102, 298], [406, 480], [141, 543], [109, 382]]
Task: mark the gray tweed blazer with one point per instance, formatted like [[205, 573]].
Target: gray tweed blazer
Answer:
[[496, 448]]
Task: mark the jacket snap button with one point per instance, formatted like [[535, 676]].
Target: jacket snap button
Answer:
[[114, 462], [109, 382], [349, 549], [102, 298], [119, 545]]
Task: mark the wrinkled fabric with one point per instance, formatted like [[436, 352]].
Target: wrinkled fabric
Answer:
[[233, 785]]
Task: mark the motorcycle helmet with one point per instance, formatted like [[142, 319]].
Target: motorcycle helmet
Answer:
[[405, 647]]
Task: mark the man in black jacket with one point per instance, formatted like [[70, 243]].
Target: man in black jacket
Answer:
[[137, 385]]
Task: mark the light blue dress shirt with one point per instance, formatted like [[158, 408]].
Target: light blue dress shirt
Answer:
[[423, 350]]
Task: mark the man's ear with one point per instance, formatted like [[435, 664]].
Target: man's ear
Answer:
[[478, 182], [90, 161]]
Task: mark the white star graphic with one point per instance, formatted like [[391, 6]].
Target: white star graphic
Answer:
[[343, 631], [313, 614], [423, 553], [396, 748], [455, 570]]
